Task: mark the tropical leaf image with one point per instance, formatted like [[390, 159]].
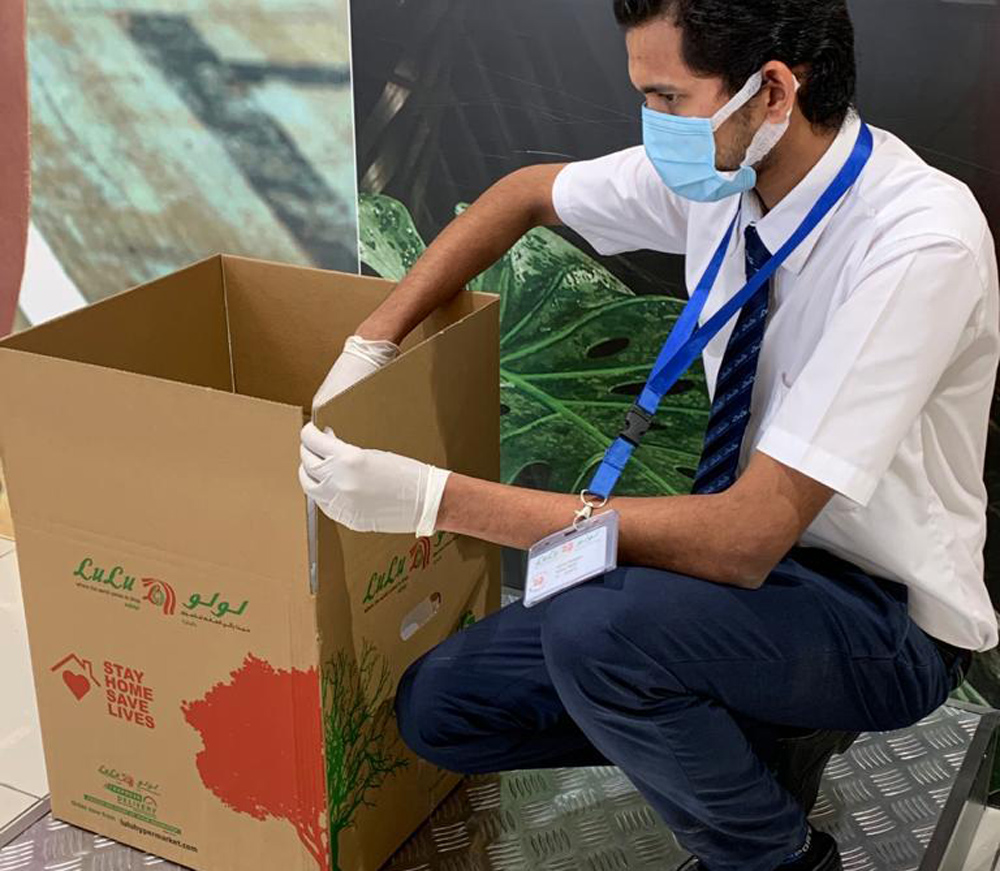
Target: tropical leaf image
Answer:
[[576, 349]]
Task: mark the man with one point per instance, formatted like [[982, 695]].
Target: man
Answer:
[[825, 576]]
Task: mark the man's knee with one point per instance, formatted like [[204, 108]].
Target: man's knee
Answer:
[[416, 709], [578, 635], [603, 634], [427, 717]]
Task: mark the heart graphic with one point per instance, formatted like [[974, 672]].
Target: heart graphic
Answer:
[[77, 683]]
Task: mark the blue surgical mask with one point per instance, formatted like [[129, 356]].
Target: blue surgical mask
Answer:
[[682, 149]]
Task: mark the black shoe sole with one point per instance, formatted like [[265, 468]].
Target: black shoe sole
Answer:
[[824, 852], [831, 857]]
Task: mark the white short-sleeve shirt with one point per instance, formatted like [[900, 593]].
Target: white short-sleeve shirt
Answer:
[[879, 357]]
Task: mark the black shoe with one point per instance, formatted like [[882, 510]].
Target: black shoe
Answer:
[[798, 761], [822, 855], [801, 761]]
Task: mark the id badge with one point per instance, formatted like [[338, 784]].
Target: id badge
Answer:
[[571, 556]]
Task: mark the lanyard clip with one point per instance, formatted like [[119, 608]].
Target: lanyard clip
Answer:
[[637, 421], [584, 513]]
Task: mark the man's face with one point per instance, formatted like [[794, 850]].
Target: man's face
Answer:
[[657, 70]]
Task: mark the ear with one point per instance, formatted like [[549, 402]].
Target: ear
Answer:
[[780, 85]]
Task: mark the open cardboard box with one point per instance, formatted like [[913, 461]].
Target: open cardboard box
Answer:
[[198, 698]]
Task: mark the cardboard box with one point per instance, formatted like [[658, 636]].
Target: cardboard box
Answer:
[[198, 700]]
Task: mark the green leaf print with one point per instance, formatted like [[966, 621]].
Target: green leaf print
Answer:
[[576, 348]]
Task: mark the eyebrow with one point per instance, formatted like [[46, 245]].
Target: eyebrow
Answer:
[[649, 89]]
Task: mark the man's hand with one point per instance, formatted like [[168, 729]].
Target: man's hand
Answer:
[[369, 490], [359, 359]]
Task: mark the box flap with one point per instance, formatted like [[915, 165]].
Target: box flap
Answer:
[[161, 526], [289, 323], [185, 470], [393, 597], [173, 327]]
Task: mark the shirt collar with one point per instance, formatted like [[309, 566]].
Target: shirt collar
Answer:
[[777, 226]]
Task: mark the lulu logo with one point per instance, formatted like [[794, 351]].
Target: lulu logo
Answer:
[[157, 592], [78, 682], [115, 578], [160, 593], [421, 553]]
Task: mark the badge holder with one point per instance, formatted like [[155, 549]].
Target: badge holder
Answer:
[[573, 555]]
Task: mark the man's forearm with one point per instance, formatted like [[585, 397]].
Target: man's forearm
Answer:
[[705, 536], [468, 246]]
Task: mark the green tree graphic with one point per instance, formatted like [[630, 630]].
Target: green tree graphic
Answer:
[[362, 744]]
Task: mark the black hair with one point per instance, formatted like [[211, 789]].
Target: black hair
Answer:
[[735, 38]]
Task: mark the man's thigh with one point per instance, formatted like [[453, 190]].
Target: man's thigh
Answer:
[[819, 645]]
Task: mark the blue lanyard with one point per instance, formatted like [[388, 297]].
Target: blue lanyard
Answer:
[[685, 342]]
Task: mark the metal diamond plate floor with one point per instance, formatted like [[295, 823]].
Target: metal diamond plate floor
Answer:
[[882, 800]]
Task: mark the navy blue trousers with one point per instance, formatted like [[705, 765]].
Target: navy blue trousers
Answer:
[[667, 676]]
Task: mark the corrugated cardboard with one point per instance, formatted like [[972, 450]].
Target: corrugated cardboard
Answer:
[[6, 524], [198, 700]]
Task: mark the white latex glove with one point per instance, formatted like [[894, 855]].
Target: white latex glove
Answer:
[[369, 490], [358, 360]]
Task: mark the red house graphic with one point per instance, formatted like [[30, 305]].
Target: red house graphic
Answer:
[[78, 682]]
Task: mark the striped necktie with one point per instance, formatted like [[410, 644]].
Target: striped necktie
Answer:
[[731, 407]]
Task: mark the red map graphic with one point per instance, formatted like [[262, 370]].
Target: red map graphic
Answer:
[[263, 752]]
